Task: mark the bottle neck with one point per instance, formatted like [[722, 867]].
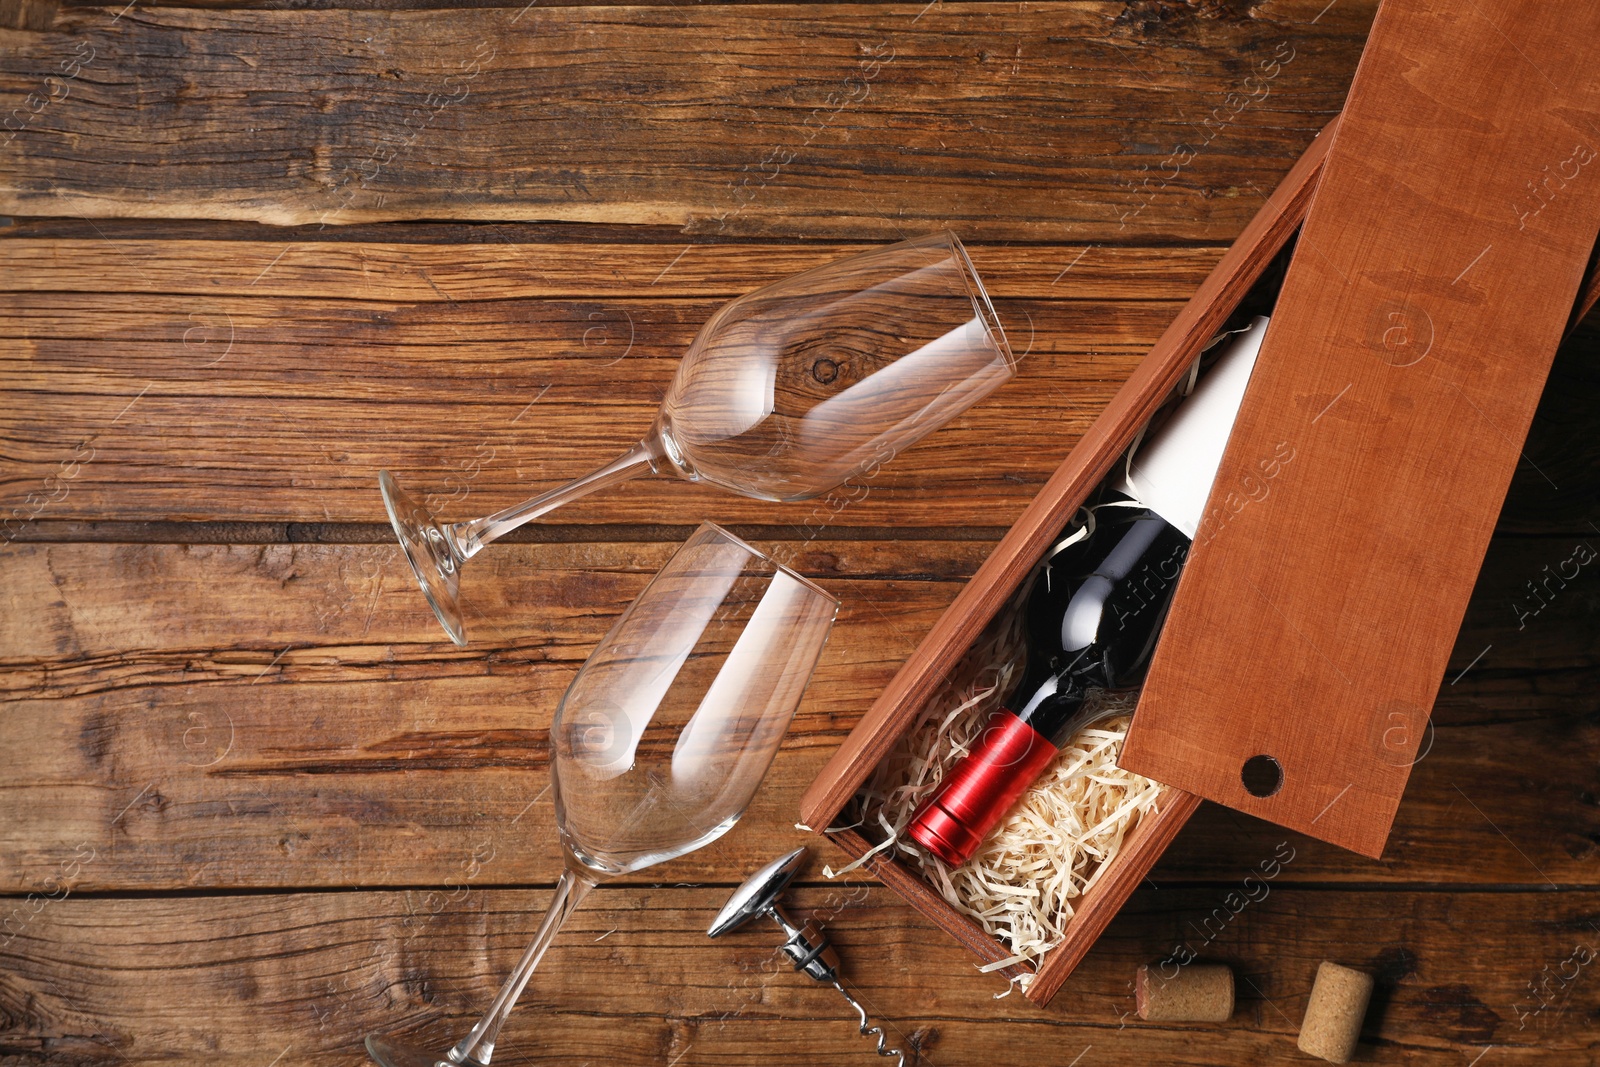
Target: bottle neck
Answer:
[[1093, 616], [1052, 706]]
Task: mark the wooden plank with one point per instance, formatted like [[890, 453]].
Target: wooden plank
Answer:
[[1302, 625], [266, 701], [290, 716], [511, 268], [634, 980], [156, 407], [1013, 123], [402, 771], [276, 394]]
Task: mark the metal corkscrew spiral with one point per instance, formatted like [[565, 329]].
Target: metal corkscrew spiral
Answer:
[[868, 1030], [805, 944]]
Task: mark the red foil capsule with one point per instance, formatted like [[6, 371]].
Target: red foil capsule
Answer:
[[981, 788]]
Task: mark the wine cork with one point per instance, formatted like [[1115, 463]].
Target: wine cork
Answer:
[[1198, 993], [1333, 1018]]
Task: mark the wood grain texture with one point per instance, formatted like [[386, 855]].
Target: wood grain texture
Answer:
[[237, 381], [1401, 390], [1010, 122], [295, 702], [506, 265], [371, 850], [634, 980], [250, 365], [287, 716]]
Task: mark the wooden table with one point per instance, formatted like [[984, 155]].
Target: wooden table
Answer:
[[252, 806]]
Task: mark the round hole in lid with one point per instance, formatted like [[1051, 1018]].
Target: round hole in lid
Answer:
[[1262, 776]]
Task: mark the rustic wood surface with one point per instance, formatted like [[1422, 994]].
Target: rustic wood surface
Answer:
[[261, 807]]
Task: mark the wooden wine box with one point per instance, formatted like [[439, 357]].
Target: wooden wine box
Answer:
[[1441, 227]]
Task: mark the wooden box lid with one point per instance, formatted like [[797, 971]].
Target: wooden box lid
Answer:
[[1436, 270]]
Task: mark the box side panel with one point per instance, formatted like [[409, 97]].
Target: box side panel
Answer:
[[1145, 845], [931, 905]]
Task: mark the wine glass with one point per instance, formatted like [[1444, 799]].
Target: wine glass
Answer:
[[785, 393], [664, 735]]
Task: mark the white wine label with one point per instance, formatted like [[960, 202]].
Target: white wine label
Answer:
[[1173, 469]]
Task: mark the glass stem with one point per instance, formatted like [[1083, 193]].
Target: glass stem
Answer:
[[468, 538], [476, 1049]]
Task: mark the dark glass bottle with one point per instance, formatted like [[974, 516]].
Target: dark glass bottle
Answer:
[[1096, 608], [1091, 622]]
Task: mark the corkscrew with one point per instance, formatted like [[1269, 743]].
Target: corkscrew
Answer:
[[805, 944]]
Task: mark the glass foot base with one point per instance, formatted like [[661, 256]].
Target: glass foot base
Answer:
[[428, 552], [393, 1054]]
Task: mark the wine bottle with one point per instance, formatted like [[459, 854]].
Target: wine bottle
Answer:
[[1095, 611]]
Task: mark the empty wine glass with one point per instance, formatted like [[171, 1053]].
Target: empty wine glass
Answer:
[[787, 392], [664, 735]]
